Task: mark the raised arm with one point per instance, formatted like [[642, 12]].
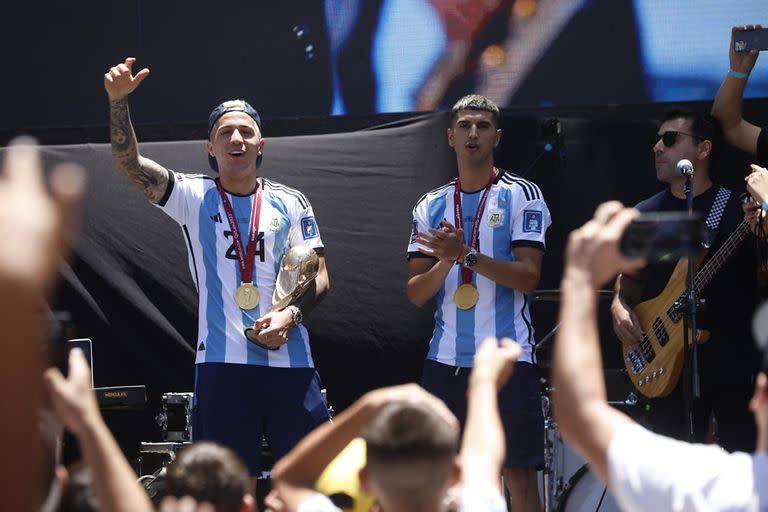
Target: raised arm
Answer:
[[483, 446], [147, 175], [727, 105], [114, 482], [592, 258], [294, 475], [32, 245]]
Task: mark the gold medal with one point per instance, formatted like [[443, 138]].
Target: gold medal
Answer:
[[247, 296], [466, 296]]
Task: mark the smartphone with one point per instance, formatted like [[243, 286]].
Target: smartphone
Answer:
[[86, 345], [747, 40], [664, 237]]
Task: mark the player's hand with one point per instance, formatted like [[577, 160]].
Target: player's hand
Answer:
[[626, 325], [495, 360], [272, 329], [742, 62], [120, 81], [446, 243]]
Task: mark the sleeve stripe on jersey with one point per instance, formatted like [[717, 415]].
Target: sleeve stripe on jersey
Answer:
[[435, 191], [528, 243], [527, 321], [531, 190], [168, 188], [511, 177], [417, 254], [199, 177], [290, 191], [188, 241], [529, 187]]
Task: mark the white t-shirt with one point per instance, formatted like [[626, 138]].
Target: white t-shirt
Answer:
[[515, 215], [652, 472], [473, 498], [286, 220]]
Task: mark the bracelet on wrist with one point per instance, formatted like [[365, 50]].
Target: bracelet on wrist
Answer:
[[764, 206], [737, 74]]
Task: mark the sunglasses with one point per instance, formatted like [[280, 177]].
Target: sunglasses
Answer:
[[670, 137]]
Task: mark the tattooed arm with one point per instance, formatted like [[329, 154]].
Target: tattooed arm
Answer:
[[148, 176]]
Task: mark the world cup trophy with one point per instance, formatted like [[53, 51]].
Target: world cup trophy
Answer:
[[298, 270]]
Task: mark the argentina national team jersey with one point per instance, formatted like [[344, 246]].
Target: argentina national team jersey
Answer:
[[286, 220], [515, 216]]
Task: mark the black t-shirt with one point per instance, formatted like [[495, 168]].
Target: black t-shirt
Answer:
[[731, 296], [762, 147]]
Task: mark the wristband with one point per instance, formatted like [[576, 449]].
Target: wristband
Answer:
[[737, 74]]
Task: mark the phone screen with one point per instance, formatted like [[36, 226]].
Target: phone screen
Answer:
[[748, 40], [664, 236]]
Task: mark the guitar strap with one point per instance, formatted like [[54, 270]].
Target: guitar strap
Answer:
[[716, 213]]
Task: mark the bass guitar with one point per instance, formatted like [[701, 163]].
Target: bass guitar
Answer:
[[654, 365]]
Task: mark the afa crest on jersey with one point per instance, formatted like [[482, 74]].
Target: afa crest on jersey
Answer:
[[495, 217]]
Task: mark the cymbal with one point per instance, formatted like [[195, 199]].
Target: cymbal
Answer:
[[554, 295]]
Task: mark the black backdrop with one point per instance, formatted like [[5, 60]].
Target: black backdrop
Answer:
[[128, 286]]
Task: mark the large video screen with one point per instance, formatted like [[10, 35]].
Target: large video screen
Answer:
[[425, 53], [301, 58]]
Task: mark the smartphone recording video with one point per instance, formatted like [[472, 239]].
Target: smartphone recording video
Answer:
[[664, 237], [748, 40]]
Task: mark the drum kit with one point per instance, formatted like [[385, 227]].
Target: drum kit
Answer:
[[566, 483]]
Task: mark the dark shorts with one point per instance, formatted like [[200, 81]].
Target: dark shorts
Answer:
[[519, 406], [235, 404]]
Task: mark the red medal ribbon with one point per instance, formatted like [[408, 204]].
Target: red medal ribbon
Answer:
[[246, 260], [458, 220]]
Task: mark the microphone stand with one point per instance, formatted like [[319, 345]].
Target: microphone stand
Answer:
[[693, 391]]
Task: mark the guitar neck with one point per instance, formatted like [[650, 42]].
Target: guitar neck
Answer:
[[708, 271]]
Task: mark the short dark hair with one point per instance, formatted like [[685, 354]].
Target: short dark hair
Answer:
[[208, 472], [476, 102], [410, 435], [703, 125]]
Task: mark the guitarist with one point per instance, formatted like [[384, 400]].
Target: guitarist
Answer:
[[727, 362]]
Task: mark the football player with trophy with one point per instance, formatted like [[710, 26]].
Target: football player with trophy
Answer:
[[254, 371]]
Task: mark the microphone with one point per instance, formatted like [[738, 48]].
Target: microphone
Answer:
[[685, 167]]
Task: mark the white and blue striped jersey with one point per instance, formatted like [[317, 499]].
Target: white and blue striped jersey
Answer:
[[515, 216], [286, 220]]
